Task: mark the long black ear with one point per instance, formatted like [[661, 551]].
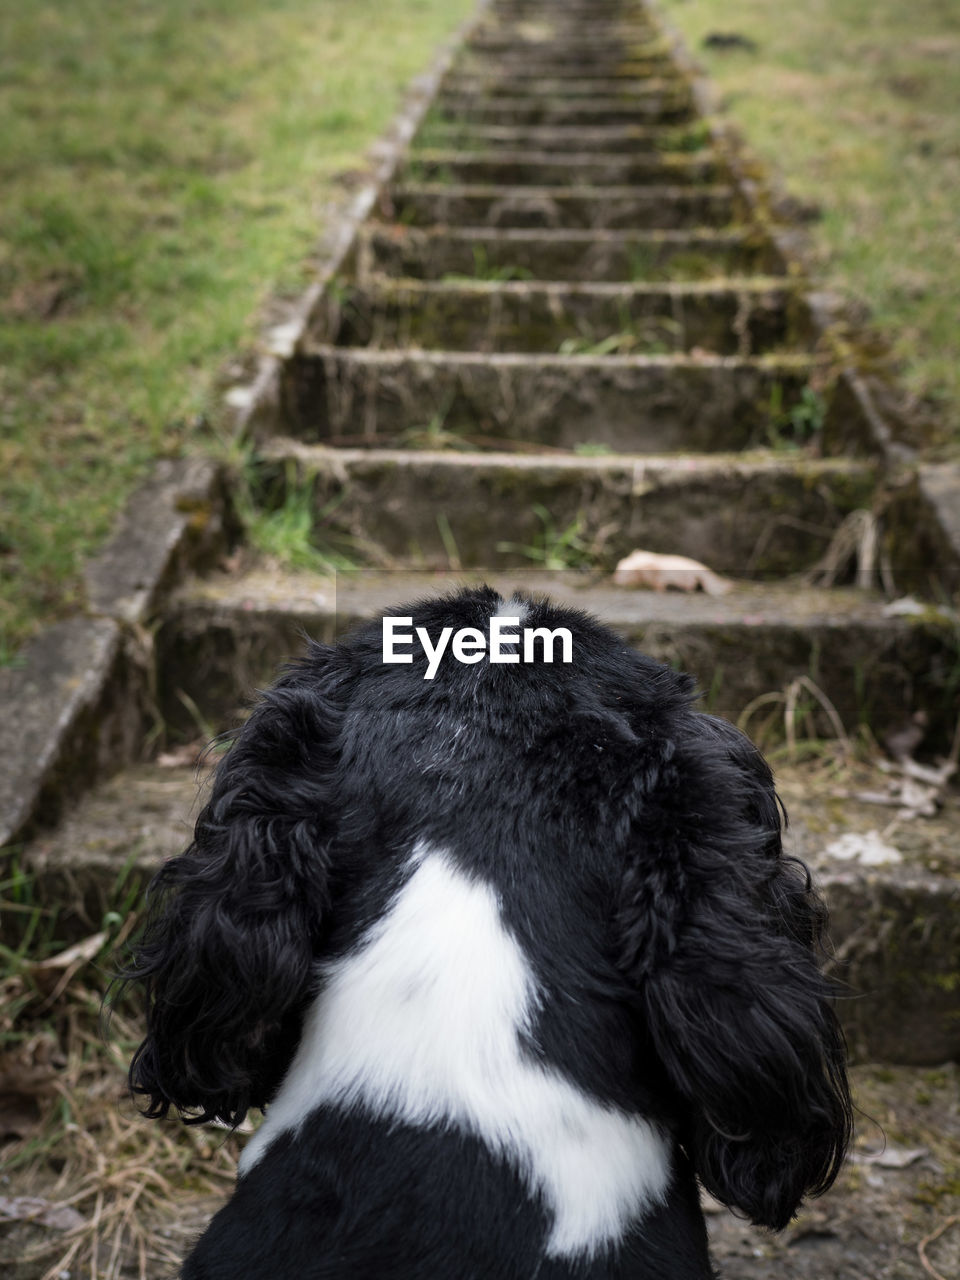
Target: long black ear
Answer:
[[225, 957], [719, 935]]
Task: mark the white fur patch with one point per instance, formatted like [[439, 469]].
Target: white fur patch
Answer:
[[423, 1023], [512, 608]]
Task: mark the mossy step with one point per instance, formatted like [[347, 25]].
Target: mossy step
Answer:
[[667, 107], [526, 65], [739, 317], [635, 208], [904, 995], [550, 10], [757, 514], [497, 80], [578, 48], [630, 403], [557, 168], [603, 138], [546, 254], [460, 83]]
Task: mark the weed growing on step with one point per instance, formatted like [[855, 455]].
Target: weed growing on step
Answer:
[[291, 533], [798, 714], [484, 269], [554, 547], [685, 138], [793, 428], [628, 342], [427, 171], [433, 435]]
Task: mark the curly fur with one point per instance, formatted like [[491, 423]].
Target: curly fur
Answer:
[[624, 855]]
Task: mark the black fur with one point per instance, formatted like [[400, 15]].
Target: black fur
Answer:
[[635, 846]]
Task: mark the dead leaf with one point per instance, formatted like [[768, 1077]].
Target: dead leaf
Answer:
[[868, 848], [28, 1078], [33, 1209], [80, 951], [648, 569], [891, 1157], [187, 756]]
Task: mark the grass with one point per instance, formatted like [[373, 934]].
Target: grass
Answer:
[[125, 1196], [163, 170], [554, 547], [855, 106], [290, 533], [790, 429]]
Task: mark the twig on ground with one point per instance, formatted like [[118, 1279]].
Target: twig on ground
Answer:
[[934, 1235]]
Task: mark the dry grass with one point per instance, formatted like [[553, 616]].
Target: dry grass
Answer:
[[94, 1190]]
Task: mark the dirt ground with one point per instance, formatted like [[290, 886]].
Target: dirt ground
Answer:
[[900, 1184]]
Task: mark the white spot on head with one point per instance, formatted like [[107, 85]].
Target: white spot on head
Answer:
[[423, 1023], [512, 608]]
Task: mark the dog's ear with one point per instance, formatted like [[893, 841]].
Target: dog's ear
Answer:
[[226, 955], [718, 935]]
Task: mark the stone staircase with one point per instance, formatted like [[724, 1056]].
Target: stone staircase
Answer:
[[564, 332]]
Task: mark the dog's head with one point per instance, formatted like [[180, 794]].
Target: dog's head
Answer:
[[448, 715]]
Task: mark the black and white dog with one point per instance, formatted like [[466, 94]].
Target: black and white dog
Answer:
[[510, 955]]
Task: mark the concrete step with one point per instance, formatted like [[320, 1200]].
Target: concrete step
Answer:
[[547, 254], [531, 67], [758, 514], [739, 317], [581, 49], [630, 403], [668, 106], [504, 84], [548, 11], [557, 168], [479, 80], [635, 208], [601, 139], [907, 999]]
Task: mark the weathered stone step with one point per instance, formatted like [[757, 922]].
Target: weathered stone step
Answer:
[[554, 21], [895, 927], [437, 203], [556, 168], [648, 404], [758, 514], [528, 66], [573, 138], [545, 254], [666, 107], [578, 48], [545, 16], [503, 84], [741, 317], [548, 11]]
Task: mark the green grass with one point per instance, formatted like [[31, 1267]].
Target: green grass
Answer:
[[553, 547], [855, 106], [163, 168]]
